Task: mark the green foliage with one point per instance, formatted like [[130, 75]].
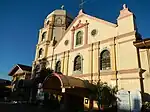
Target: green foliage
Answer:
[[44, 72], [105, 94], [147, 105]]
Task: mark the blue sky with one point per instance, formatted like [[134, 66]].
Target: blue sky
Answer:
[[20, 21]]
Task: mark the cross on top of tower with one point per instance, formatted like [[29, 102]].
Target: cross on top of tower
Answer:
[[62, 7], [124, 6]]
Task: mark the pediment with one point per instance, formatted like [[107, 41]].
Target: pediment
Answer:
[[79, 25], [80, 21]]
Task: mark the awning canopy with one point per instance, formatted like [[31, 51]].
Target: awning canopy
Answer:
[[62, 83]]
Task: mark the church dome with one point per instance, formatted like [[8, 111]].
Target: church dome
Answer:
[[57, 12]]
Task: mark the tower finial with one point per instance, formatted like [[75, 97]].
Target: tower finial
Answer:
[[124, 6], [62, 7]]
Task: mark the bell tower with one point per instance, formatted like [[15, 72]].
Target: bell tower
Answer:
[[126, 21], [55, 25]]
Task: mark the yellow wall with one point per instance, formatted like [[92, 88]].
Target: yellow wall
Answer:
[[145, 64], [126, 53]]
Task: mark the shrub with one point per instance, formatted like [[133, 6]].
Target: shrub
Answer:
[[105, 94]]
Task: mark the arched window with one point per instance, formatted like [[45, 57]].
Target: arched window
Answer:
[[48, 22], [77, 63], [40, 53], [105, 60], [43, 36], [58, 66], [79, 38]]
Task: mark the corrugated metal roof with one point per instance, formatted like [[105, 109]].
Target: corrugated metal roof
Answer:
[[21, 66]]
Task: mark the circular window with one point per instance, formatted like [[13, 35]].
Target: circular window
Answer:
[[93, 32], [66, 42]]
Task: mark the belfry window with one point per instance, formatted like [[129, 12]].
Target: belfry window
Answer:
[[40, 53], [58, 21], [105, 60], [77, 63], [79, 37], [43, 36], [58, 66]]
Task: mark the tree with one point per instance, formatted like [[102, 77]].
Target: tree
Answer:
[[105, 94], [40, 72]]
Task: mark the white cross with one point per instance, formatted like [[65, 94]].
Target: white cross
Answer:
[[62, 7], [124, 6]]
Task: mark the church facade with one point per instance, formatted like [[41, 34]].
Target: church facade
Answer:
[[93, 49]]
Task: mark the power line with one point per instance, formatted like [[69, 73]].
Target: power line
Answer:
[[83, 2]]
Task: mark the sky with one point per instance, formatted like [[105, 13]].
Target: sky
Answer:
[[20, 21]]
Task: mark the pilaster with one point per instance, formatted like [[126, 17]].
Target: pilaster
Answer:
[[62, 62], [86, 34], [91, 62], [72, 36], [66, 63], [95, 58]]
